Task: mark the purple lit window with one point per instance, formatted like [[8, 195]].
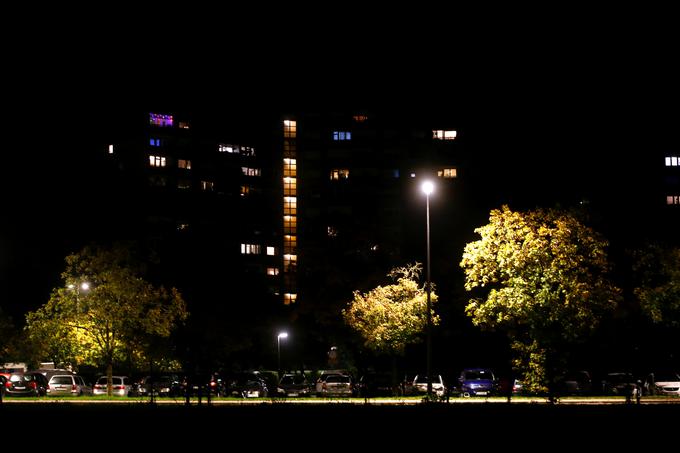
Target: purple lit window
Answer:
[[155, 141], [156, 119]]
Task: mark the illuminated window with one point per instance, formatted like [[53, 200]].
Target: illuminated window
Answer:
[[272, 271], [289, 167], [183, 125], [208, 186], [251, 171], [339, 173], [289, 244], [443, 135], [289, 263], [182, 226], [332, 232], [413, 175], [289, 224], [271, 251], [360, 118], [247, 150], [673, 200], [184, 184], [289, 148], [250, 249], [227, 148], [110, 149], [290, 205], [157, 161], [184, 163], [447, 173], [156, 119], [342, 135], [245, 190], [289, 129], [289, 298], [289, 186], [155, 141], [672, 161]]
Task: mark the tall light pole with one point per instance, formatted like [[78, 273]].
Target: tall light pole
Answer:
[[278, 347], [85, 286], [428, 188]]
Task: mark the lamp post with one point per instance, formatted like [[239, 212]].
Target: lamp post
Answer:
[[278, 347], [85, 286], [427, 188]]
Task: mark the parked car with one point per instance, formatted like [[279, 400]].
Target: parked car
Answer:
[[574, 383], [662, 383], [68, 384], [163, 385], [318, 387], [619, 384], [376, 384], [26, 384], [477, 382], [438, 387], [337, 385], [121, 386], [246, 385], [294, 385]]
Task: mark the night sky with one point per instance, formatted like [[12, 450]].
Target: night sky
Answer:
[[551, 114]]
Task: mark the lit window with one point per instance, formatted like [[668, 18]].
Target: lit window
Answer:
[[332, 232], [183, 125], [184, 184], [360, 118], [444, 135], [447, 173], [182, 226], [208, 186], [227, 148], [247, 150], [272, 271], [289, 186], [157, 161], [271, 251], [339, 173], [251, 171], [156, 119], [289, 167], [289, 148], [289, 298], [155, 141], [290, 205], [289, 129], [289, 244], [673, 200], [672, 161], [289, 224], [245, 190], [250, 249], [413, 175], [289, 263], [342, 135], [184, 163], [110, 149]]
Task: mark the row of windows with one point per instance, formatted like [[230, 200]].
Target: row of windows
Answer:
[[342, 135], [156, 119], [248, 171], [236, 149], [444, 135], [182, 183], [673, 200], [256, 249], [161, 161], [672, 161]]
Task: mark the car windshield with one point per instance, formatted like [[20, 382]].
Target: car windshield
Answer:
[[287, 380], [61, 380], [336, 378], [476, 375]]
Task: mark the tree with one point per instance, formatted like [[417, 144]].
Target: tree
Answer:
[[541, 276], [658, 270], [119, 312], [392, 316]]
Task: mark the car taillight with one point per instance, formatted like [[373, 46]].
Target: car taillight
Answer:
[[118, 387], [8, 384], [33, 385], [74, 388]]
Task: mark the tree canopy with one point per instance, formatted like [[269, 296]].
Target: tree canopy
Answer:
[[115, 314], [392, 316], [658, 269], [541, 276]]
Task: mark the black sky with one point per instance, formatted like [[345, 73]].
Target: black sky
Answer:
[[553, 108]]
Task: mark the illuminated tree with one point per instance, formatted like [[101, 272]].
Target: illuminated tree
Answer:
[[541, 277], [392, 316], [119, 312], [658, 270]]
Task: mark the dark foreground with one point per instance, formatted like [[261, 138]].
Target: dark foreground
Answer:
[[287, 427]]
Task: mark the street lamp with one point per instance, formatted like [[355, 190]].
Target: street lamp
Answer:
[[278, 347], [427, 188], [85, 286]]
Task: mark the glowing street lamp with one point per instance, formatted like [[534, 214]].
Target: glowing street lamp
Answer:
[[278, 347], [427, 188]]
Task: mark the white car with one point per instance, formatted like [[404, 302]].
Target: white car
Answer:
[[662, 384], [420, 384], [121, 386], [68, 384]]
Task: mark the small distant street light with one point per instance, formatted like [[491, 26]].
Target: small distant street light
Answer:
[[83, 286], [428, 188], [278, 347]]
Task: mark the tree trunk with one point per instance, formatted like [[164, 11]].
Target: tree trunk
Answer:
[[109, 378]]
